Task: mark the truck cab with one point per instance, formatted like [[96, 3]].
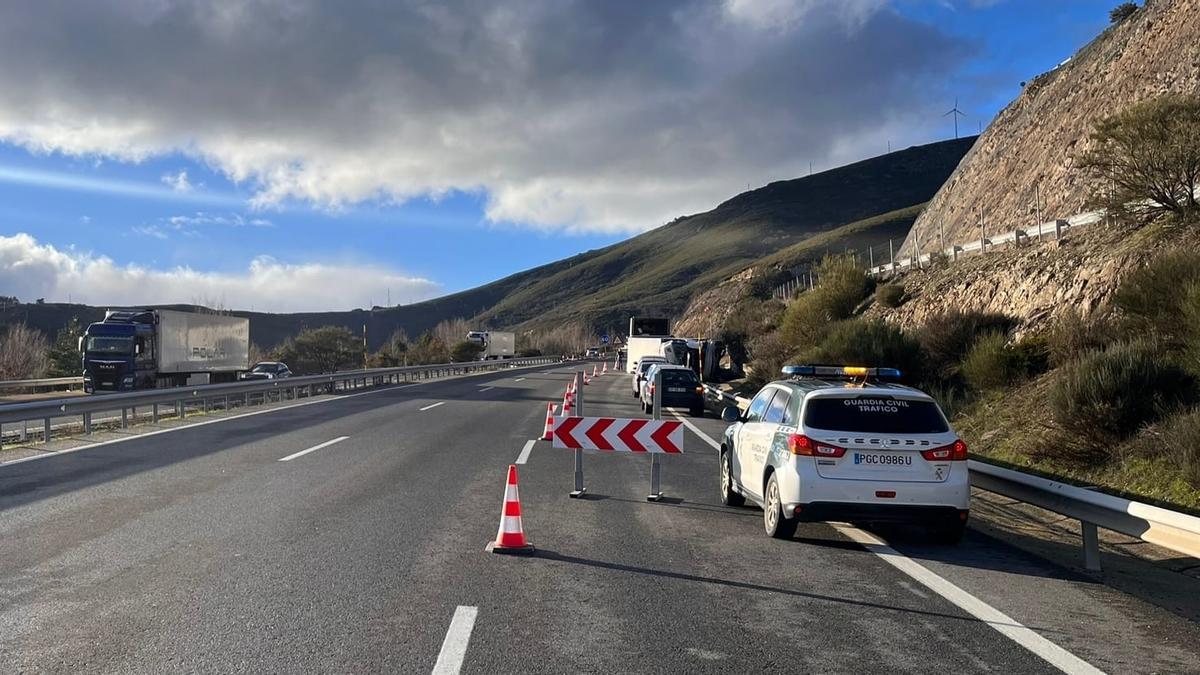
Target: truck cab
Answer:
[[118, 353]]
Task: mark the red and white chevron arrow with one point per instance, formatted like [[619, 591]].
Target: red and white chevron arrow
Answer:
[[618, 435]]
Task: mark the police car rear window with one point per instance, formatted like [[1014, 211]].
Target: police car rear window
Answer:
[[874, 414]]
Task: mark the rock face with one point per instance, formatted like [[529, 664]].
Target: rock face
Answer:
[[707, 312], [1032, 144], [1035, 282]]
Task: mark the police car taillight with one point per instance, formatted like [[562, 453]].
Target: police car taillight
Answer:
[[802, 445], [955, 452]]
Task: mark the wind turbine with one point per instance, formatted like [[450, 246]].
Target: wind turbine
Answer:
[[956, 112]]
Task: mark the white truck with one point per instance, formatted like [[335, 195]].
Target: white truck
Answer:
[[145, 349], [494, 344], [637, 347]]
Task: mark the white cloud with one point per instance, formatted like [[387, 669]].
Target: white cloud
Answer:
[[30, 270], [178, 181], [603, 115]]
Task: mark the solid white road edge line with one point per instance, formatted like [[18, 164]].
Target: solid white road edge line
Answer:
[[1027, 638], [454, 647], [433, 406], [190, 425], [1052, 653], [302, 453], [483, 389], [524, 456]]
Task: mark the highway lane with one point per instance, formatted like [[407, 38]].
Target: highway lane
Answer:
[[201, 550]]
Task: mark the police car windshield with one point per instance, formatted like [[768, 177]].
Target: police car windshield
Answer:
[[874, 414]]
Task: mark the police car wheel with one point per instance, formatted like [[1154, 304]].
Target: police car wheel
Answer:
[[728, 496], [775, 524]]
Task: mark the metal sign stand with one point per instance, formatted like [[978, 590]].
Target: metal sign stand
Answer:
[[655, 468], [578, 412]]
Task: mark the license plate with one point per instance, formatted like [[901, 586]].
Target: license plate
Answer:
[[882, 459], [676, 390]]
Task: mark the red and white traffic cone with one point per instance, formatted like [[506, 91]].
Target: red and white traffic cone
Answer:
[[594, 371], [604, 370], [586, 379], [511, 536], [568, 405], [546, 435]]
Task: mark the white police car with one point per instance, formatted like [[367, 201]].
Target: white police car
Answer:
[[836, 443]]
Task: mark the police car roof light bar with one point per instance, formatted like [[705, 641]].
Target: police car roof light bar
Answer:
[[841, 371]]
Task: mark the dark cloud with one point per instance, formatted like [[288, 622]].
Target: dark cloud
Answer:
[[587, 115]]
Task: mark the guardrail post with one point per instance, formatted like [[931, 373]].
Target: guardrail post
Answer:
[[154, 416], [125, 418], [46, 433], [655, 468], [24, 430], [578, 412], [1058, 227], [179, 408], [1091, 546], [87, 423]]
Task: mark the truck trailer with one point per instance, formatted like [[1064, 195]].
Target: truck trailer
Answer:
[[158, 348], [637, 347], [494, 344]]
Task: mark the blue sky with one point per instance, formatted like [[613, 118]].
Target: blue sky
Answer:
[[302, 209]]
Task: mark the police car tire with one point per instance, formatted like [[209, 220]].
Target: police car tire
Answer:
[[781, 528], [949, 533], [728, 496]]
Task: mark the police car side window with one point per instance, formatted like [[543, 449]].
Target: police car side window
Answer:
[[759, 405], [779, 405]]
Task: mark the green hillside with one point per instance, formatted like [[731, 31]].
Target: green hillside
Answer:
[[655, 273]]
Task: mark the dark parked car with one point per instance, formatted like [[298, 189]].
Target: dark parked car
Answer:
[[681, 389], [267, 370]]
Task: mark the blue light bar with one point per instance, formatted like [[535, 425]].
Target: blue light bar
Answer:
[[841, 371]]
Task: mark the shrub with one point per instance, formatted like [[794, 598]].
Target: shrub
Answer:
[[1122, 11], [1150, 298], [1178, 439], [1072, 335], [859, 342], [993, 364], [1107, 396], [23, 353], [841, 285], [428, 349], [889, 295], [65, 359], [767, 354], [947, 337], [322, 350], [1143, 160], [464, 350]]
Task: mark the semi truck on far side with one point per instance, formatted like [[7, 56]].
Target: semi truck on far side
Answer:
[[494, 344], [158, 348]]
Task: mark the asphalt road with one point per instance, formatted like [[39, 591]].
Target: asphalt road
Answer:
[[200, 550]]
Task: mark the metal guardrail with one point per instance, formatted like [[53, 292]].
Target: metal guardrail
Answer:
[[985, 243], [207, 396], [1178, 532], [1172, 530], [45, 382]]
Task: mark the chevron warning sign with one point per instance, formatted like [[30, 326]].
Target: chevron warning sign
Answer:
[[618, 435]]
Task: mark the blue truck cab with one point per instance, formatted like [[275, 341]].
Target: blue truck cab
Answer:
[[118, 353]]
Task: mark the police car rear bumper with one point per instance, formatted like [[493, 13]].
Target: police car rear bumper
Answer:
[[877, 513]]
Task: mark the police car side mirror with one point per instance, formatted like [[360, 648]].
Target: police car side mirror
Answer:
[[730, 414]]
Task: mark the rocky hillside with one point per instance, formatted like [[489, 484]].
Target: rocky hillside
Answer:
[[1033, 141], [1034, 282]]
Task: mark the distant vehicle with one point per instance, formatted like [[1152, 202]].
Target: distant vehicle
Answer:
[[639, 372], [494, 344], [640, 326], [835, 443], [592, 353], [145, 349], [681, 389], [638, 347], [268, 370]]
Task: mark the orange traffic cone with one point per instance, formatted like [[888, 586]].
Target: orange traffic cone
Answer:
[[586, 379], [604, 369], [568, 406], [511, 536], [594, 371], [549, 422]]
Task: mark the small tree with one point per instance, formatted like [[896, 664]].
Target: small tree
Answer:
[[23, 353], [1122, 11], [323, 350], [1146, 159], [464, 350], [65, 359]]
